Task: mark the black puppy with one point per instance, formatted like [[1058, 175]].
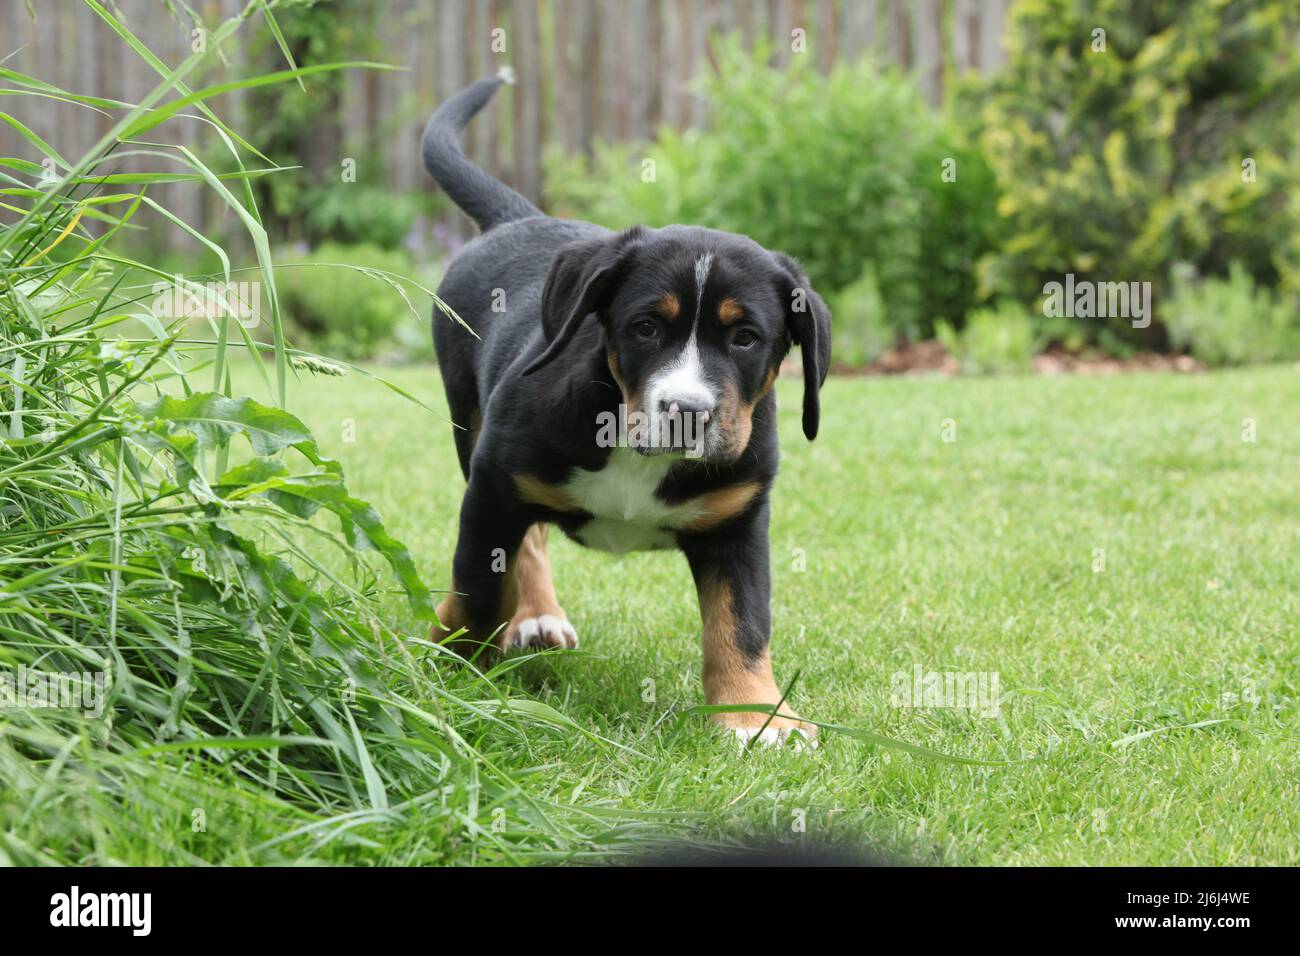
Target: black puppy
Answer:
[[620, 386]]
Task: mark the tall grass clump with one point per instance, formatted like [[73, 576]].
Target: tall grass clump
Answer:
[[189, 560]]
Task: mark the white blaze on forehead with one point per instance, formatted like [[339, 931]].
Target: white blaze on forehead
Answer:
[[702, 266], [682, 380]]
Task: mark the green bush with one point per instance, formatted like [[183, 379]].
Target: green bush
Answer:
[[346, 299], [1177, 141], [958, 225], [843, 172], [1231, 321], [861, 330], [999, 339], [352, 213]]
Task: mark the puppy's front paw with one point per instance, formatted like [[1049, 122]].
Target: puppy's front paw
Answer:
[[539, 632], [781, 730]]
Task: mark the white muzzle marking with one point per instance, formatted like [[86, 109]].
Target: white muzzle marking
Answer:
[[682, 384]]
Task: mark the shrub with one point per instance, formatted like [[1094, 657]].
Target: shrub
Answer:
[[999, 339], [1231, 321], [860, 326], [958, 225], [348, 300], [841, 171], [352, 213], [1171, 136]]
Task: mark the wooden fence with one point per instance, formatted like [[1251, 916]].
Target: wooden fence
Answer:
[[615, 69]]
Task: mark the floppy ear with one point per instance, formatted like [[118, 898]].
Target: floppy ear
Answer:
[[582, 279], [809, 322]]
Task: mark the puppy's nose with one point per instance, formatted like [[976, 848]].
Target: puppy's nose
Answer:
[[693, 408]]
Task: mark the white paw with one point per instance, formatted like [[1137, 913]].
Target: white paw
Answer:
[[771, 736], [542, 632]]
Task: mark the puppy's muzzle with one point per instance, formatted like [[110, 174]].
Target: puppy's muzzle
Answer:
[[683, 423]]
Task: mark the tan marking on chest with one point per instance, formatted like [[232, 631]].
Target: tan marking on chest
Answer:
[[538, 492], [722, 505]]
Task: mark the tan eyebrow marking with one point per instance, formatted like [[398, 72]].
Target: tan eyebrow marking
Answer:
[[729, 311], [669, 306]]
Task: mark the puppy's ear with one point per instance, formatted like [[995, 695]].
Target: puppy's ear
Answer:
[[582, 280], [809, 322]]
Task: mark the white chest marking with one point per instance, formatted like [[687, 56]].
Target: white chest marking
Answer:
[[628, 516]]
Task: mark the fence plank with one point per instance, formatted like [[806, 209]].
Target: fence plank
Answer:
[[778, 25], [527, 99], [677, 102], [827, 35], [410, 96], [858, 32], [587, 32], [990, 34], [900, 34], [701, 24], [566, 37], [927, 47], [640, 67], [964, 25], [746, 20], [612, 100]]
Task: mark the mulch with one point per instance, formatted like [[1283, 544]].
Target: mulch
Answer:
[[931, 358]]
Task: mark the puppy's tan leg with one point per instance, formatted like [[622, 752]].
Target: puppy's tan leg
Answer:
[[537, 621], [731, 565], [733, 676]]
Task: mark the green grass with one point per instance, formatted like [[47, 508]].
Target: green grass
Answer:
[[271, 700], [256, 706], [973, 555]]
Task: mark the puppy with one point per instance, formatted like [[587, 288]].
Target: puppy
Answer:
[[618, 386]]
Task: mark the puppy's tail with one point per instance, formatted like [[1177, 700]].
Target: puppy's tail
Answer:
[[484, 199]]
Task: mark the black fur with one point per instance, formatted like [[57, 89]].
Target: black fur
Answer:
[[558, 306], [483, 198]]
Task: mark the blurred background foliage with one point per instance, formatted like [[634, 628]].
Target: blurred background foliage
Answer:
[[1172, 138], [1165, 140], [930, 188], [1166, 144], [841, 171]]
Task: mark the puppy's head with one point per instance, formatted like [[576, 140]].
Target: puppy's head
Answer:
[[696, 324]]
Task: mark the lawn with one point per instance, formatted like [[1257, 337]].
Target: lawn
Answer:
[[1111, 548]]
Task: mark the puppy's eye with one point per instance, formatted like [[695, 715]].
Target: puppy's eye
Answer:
[[646, 329], [744, 339]]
